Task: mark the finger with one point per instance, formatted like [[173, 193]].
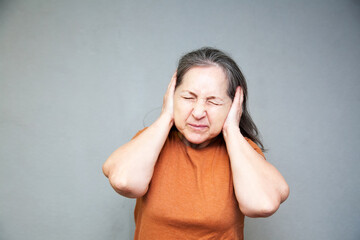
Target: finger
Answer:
[[241, 96], [173, 80], [238, 100], [237, 97], [241, 102], [174, 75], [172, 84]]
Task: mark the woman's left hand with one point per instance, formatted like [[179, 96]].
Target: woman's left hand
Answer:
[[235, 112]]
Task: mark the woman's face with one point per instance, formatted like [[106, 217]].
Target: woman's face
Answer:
[[201, 104]]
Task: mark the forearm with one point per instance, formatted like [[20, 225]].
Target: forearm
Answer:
[[130, 167], [259, 187]]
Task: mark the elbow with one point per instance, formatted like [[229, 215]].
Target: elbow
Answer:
[[122, 183], [284, 192], [127, 189], [266, 209], [105, 169], [269, 209]]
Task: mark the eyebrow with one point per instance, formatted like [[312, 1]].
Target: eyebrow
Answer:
[[210, 97]]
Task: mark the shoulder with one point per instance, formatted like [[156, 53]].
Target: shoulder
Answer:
[[255, 147], [139, 132]]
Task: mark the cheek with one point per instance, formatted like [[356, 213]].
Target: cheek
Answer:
[[218, 116], [181, 112]]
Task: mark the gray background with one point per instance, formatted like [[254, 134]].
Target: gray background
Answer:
[[80, 78]]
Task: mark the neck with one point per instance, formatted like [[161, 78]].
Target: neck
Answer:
[[194, 145]]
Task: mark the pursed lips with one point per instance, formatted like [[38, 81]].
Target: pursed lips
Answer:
[[198, 126]]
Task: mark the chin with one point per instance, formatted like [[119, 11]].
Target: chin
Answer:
[[196, 138], [195, 141]]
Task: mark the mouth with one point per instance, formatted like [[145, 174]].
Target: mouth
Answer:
[[198, 127]]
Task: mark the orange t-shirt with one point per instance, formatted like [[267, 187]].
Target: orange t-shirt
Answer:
[[191, 195]]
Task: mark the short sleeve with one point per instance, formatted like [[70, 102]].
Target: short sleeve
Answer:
[[138, 133], [256, 147]]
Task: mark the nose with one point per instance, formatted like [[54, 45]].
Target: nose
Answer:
[[199, 110]]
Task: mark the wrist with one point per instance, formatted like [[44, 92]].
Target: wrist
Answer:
[[166, 118], [231, 129]]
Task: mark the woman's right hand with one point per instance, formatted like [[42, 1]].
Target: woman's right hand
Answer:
[[168, 102]]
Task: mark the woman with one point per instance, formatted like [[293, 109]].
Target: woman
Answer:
[[197, 170]]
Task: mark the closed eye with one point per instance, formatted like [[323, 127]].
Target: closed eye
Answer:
[[214, 103], [189, 98]]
